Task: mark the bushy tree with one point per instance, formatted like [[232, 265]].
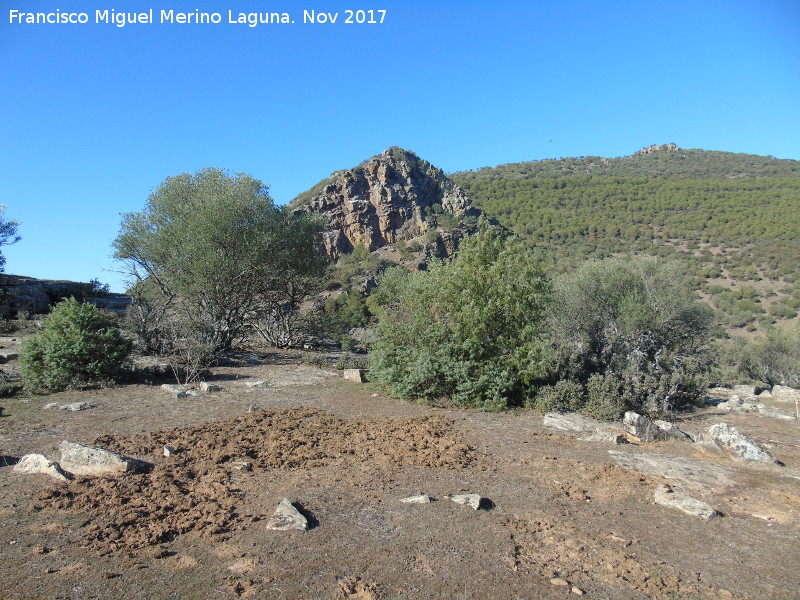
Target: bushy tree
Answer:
[[630, 328], [77, 346], [773, 359], [465, 330], [218, 255], [8, 234]]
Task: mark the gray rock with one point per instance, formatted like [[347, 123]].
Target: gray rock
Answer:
[[691, 506], [90, 460], [208, 388], [651, 431], [286, 517], [420, 499], [471, 500], [685, 473], [38, 463], [241, 465], [721, 438], [765, 395], [71, 407], [7, 356], [168, 450], [571, 422], [356, 375], [256, 384]]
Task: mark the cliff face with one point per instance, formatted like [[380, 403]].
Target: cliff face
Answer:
[[391, 197]]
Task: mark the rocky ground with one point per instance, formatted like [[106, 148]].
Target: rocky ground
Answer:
[[560, 516]]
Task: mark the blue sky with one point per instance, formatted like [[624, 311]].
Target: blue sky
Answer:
[[93, 117]]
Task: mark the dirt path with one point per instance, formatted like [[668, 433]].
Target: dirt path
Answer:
[[194, 527]]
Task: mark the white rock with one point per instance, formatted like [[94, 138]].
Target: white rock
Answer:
[[256, 384], [721, 438], [286, 517], [471, 500], [421, 499], [169, 450], [90, 460], [783, 393], [208, 388], [72, 407], [38, 463], [356, 375], [651, 431], [691, 506]]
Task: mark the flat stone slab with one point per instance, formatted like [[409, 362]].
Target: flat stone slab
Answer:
[[420, 499], [721, 438], [256, 384], [691, 506], [286, 517], [71, 407], [91, 460], [572, 422], [38, 463], [684, 473]]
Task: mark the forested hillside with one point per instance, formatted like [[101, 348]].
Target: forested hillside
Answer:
[[733, 216]]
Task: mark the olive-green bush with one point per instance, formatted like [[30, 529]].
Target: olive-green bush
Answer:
[[78, 346]]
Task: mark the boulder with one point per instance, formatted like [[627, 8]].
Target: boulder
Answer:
[[208, 388], [286, 517], [665, 496], [651, 431], [356, 375], [38, 463], [91, 460], [765, 395], [721, 438]]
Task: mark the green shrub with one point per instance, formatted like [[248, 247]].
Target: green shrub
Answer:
[[563, 396], [467, 330], [77, 346], [605, 397]]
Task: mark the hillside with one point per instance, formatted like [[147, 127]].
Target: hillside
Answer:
[[733, 216]]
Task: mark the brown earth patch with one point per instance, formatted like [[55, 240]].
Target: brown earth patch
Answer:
[[192, 490]]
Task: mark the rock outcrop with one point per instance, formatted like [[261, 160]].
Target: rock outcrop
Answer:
[[36, 296], [391, 197]]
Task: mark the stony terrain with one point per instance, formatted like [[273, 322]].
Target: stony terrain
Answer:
[[560, 516]]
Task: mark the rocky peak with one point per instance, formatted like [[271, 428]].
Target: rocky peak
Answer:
[[390, 197], [658, 148]]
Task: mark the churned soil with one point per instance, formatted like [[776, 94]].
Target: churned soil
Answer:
[[560, 518]]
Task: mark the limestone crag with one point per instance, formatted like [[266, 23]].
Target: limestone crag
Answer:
[[391, 197], [35, 296]]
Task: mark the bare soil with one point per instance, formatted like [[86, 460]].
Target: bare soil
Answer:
[[194, 526]]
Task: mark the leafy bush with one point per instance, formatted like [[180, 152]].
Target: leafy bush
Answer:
[[634, 324], [563, 396], [466, 330], [77, 346]]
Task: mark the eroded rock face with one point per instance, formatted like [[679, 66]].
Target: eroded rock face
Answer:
[[393, 196]]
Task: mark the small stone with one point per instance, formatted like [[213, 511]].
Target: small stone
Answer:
[[6, 356], [208, 388], [356, 375], [169, 450], [256, 384], [558, 581], [421, 499], [241, 465], [471, 500], [577, 591], [286, 517]]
